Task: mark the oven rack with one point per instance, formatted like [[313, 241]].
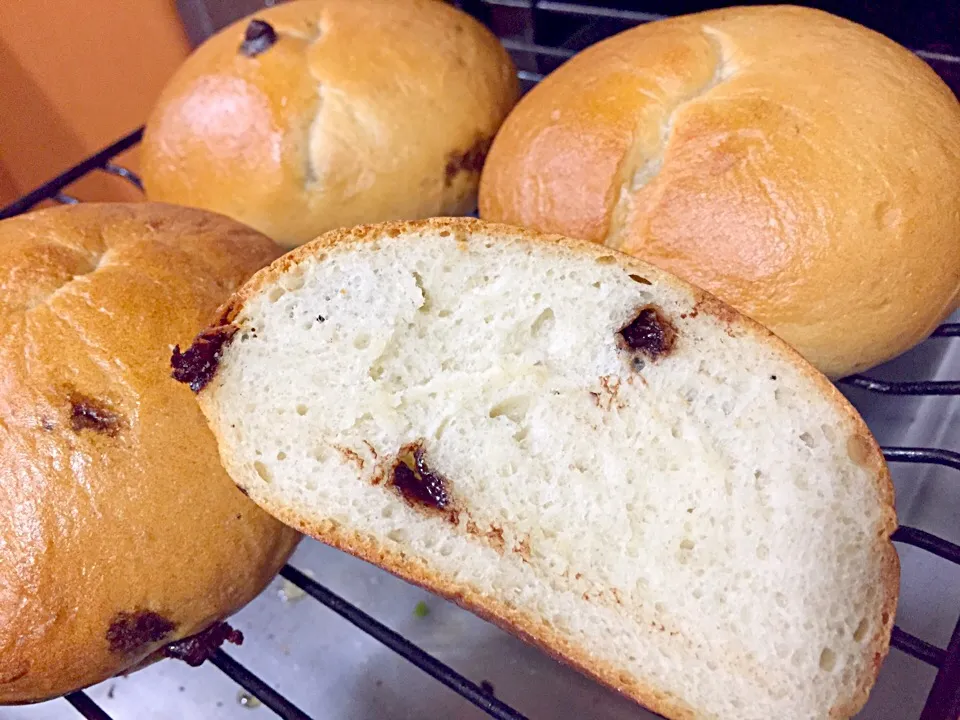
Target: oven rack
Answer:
[[534, 61]]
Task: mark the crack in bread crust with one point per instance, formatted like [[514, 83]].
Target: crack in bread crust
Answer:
[[636, 170]]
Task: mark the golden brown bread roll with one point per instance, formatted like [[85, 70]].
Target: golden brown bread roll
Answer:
[[318, 114], [119, 531], [799, 166]]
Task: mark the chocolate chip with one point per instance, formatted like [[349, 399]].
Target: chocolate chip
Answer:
[[129, 632], [649, 333], [195, 650], [321, 318], [260, 36], [416, 482], [89, 414], [198, 364]]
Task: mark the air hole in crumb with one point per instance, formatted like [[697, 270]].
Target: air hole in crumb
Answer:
[[262, 471], [780, 599], [361, 342], [606, 260], [659, 607], [860, 450], [686, 544], [444, 313], [597, 284], [763, 552], [376, 372], [276, 293], [301, 409], [293, 281], [640, 279], [488, 319], [425, 305], [281, 455], [446, 550], [444, 233], [543, 323], [828, 660], [861, 632], [807, 439], [397, 535], [828, 432], [514, 408]]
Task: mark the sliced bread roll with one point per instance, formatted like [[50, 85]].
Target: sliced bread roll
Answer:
[[573, 444]]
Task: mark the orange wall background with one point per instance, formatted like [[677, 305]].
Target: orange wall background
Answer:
[[75, 76]]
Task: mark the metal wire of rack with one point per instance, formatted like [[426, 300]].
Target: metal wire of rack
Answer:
[[943, 701]]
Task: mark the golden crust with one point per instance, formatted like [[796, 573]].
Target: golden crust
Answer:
[[363, 110], [119, 530], [527, 625], [802, 182]]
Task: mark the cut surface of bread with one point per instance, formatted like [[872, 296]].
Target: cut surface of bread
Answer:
[[575, 445]]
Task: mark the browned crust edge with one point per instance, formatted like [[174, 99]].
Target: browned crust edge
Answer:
[[527, 626]]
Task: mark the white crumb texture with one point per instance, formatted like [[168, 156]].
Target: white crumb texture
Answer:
[[695, 523]]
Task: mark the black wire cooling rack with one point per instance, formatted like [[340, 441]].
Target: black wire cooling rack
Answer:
[[516, 23]]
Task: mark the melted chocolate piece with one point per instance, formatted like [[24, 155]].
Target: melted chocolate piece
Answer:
[[198, 364], [131, 631], [417, 483], [469, 161], [88, 414], [650, 333], [199, 648], [260, 36]]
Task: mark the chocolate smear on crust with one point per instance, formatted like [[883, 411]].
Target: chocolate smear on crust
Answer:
[[89, 414], [197, 365], [469, 161], [130, 631], [199, 648]]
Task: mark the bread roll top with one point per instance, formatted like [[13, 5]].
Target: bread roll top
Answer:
[[119, 530], [801, 167], [314, 115]]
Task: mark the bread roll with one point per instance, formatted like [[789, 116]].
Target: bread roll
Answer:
[[575, 445], [318, 114], [120, 533], [799, 166]]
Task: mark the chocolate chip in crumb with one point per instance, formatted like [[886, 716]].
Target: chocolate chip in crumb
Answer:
[[259, 36], [417, 483], [649, 333], [321, 318], [197, 365]]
